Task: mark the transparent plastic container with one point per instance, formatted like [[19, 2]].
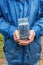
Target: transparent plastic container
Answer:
[[23, 27]]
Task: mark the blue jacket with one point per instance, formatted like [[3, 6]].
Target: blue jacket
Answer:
[[10, 11]]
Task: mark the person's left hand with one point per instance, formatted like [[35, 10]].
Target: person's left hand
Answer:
[[29, 40]]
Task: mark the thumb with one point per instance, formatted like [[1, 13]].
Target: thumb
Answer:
[[30, 35], [17, 35]]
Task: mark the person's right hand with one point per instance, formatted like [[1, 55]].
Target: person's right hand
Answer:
[[16, 36]]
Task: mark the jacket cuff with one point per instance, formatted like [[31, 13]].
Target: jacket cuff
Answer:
[[37, 31], [12, 30]]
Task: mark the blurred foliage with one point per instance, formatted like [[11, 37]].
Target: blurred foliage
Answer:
[[1, 45], [1, 38], [1, 41]]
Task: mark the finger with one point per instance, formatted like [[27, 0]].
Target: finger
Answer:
[[30, 35], [17, 35], [23, 42], [15, 38]]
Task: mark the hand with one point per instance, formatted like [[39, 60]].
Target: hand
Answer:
[[29, 40], [16, 36]]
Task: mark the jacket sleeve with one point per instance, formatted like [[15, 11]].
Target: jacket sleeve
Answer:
[[6, 28], [38, 27]]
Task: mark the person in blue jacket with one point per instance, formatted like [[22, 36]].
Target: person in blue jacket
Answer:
[[18, 51]]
